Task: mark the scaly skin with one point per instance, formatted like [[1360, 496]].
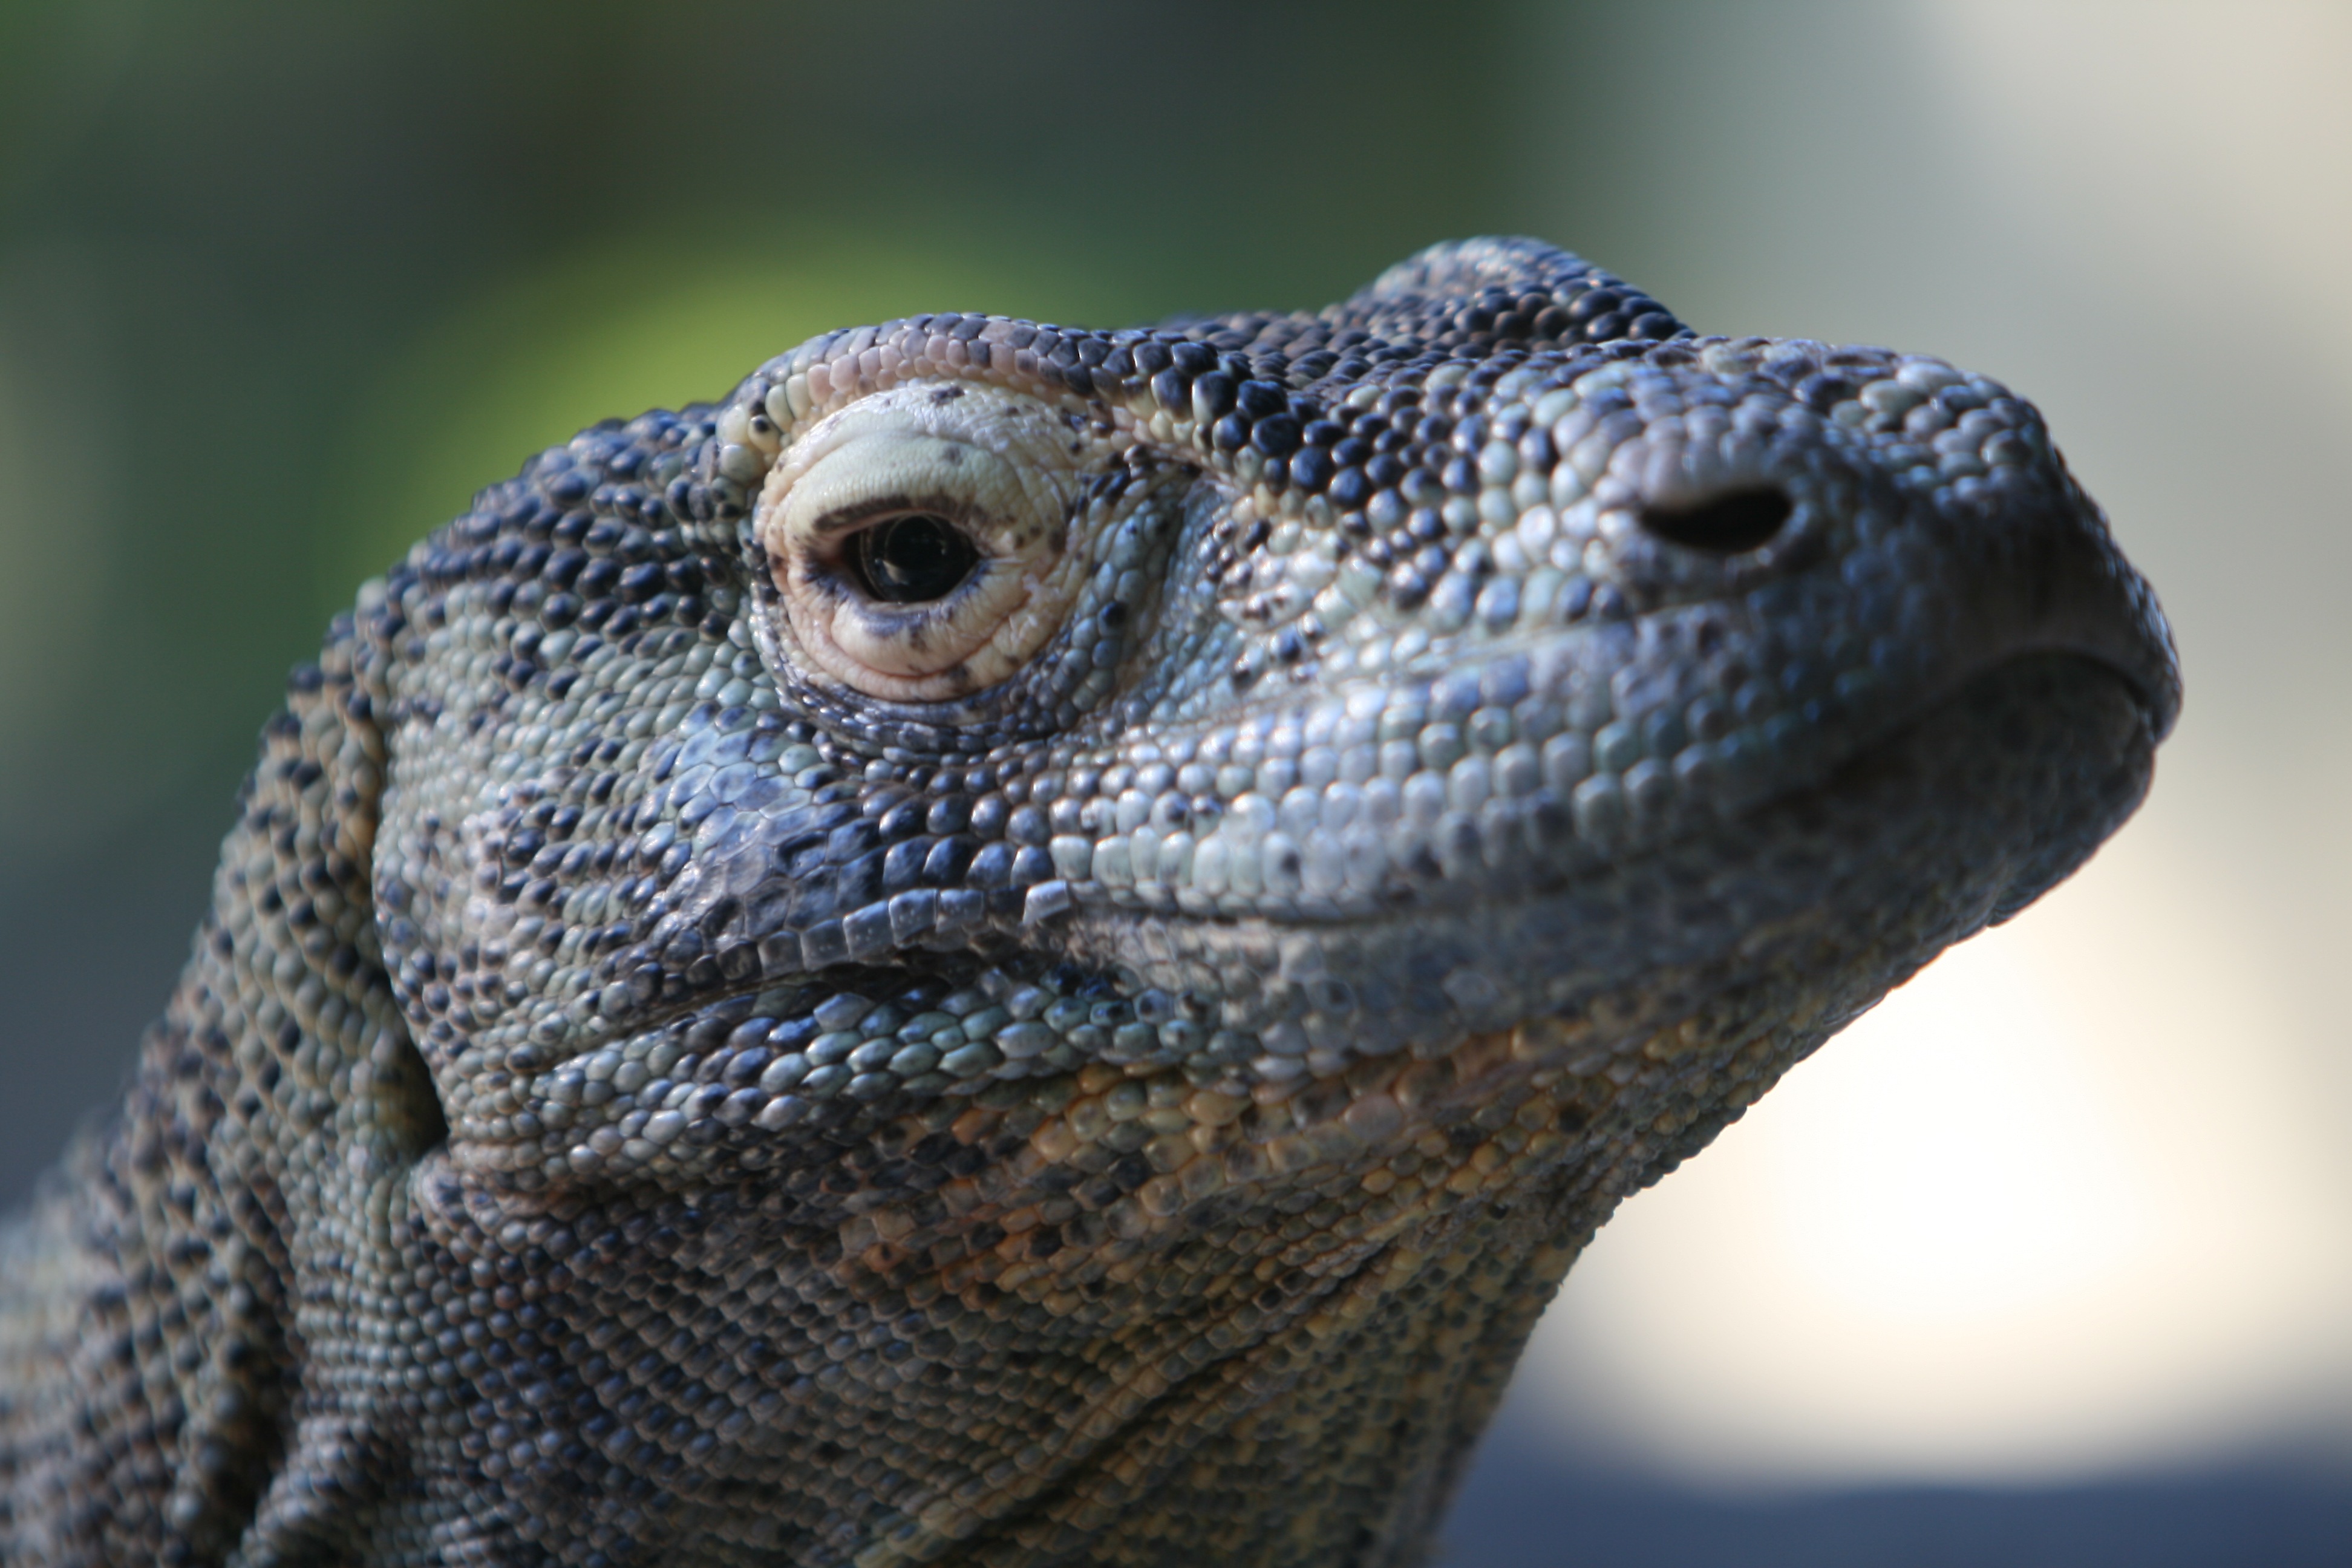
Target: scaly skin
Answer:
[[1022, 946]]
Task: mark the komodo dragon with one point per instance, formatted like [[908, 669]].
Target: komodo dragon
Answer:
[[1030, 946]]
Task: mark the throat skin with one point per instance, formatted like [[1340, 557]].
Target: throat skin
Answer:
[[1095, 1051]]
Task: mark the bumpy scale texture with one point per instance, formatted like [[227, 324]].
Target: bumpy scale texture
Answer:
[[1034, 946]]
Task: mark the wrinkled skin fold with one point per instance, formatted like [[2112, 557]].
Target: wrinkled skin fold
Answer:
[[1028, 946]]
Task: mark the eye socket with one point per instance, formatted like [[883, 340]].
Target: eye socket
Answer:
[[913, 559], [920, 548], [1726, 524]]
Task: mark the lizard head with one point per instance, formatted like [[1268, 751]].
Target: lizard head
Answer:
[[1053, 842]]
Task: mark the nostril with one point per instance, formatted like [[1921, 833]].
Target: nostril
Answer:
[[1723, 525]]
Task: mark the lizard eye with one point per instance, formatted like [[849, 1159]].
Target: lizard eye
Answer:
[[911, 559], [1728, 524], [918, 548]]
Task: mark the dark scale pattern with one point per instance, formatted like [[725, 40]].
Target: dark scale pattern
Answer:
[[1099, 1055]]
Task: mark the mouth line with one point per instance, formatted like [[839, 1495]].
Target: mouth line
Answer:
[[1563, 887], [1585, 864], [1849, 773], [1853, 878]]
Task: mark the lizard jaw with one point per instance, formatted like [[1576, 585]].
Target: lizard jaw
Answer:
[[2048, 750]]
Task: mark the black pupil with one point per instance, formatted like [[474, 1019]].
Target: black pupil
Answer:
[[1722, 525], [912, 559]]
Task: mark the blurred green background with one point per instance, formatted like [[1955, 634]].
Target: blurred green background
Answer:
[[281, 284]]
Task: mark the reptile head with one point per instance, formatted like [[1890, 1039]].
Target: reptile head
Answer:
[[1108, 909]]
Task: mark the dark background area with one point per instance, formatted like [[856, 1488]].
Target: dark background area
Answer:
[[279, 283]]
